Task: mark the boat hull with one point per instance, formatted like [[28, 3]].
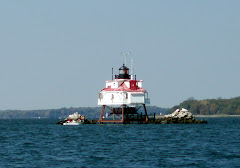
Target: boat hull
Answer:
[[75, 123]]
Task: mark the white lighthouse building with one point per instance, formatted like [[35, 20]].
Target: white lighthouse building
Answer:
[[124, 96]]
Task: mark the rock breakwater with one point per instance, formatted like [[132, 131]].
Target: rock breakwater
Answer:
[[178, 117]]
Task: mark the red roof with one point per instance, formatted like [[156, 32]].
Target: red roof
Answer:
[[123, 87]]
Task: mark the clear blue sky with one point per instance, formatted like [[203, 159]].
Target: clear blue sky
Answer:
[[59, 53]]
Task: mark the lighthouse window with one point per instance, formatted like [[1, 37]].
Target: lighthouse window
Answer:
[[121, 72], [112, 96], [126, 96]]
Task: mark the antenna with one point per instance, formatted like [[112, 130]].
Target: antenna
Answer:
[[125, 57], [132, 68], [132, 72], [112, 73]]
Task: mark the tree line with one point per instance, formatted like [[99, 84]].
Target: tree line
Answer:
[[196, 107], [89, 112], [211, 106]]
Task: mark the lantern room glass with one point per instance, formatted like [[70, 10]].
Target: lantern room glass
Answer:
[[123, 71]]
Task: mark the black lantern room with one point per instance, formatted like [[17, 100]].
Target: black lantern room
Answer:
[[123, 73]]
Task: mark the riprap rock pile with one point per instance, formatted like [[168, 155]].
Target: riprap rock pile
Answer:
[[184, 113], [178, 117]]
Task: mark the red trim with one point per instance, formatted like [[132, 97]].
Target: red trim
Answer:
[[123, 87]]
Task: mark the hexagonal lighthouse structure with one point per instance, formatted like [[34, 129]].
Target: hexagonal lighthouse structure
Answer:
[[124, 96]]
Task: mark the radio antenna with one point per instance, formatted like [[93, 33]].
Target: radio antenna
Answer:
[[125, 57], [132, 69]]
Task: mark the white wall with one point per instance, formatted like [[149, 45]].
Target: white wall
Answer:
[[139, 83], [114, 83], [119, 98], [137, 98], [113, 98]]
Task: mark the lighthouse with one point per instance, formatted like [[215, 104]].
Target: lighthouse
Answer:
[[123, 96]]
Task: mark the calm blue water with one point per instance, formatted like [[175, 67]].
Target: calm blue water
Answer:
[[42, 143]]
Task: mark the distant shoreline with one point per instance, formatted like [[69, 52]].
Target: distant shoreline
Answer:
[[203, 116], [220, 115]]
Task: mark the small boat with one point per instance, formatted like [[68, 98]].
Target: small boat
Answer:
[[73, 122]]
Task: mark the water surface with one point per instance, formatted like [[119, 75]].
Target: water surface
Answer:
[[42, 143]]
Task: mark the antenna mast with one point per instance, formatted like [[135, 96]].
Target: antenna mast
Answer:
[[132, 72], [125, 57], [112, 73]]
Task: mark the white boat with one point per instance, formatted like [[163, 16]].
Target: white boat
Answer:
[[73, 122]]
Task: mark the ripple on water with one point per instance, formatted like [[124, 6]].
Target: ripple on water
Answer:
[[37, 143]]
